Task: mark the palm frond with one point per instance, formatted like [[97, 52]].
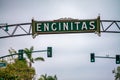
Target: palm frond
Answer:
[[55, 77], [12, 51], [26, 50], [32, 60], [31, 49], [39, 59], [44, 77], [28, 54]]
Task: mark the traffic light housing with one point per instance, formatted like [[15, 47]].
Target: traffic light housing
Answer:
[[6, 27], [117, 59], [20, 54], [49, 51], [92, 57]]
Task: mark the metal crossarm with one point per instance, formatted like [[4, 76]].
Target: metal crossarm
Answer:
[[7, 56], [18, 53], [105, 57], [24, 29], [109, 26], [15, 30]]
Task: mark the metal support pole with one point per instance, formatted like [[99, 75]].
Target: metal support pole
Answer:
[[39, 51], [105, 57], [17, 53]]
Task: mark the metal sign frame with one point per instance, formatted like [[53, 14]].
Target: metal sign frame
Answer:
[[56, 23]]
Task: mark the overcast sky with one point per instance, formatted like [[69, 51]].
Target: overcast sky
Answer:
[[71, 52]]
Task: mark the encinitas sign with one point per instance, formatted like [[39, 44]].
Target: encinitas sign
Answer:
[[66, 26]]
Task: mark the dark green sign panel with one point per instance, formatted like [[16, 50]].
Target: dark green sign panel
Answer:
[[66, 26]]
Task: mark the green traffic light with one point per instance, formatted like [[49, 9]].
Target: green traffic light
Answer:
[[117, 59], [49, 51], [92, 57], [92, 60], [20, 54], [6, 28]]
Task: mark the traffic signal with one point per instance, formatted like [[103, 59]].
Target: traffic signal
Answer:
[[117, 59], [20, 54], [92, 57], [49, 51], [6, 27]]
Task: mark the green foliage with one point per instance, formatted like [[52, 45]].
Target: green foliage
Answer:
[[117, 73], [3, 61], [18, 70], [45, 77], [39, 59], [28, 53]]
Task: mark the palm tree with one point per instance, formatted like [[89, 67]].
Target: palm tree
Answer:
[[28, 53], [52, 77], [45, 77], [117, 73]]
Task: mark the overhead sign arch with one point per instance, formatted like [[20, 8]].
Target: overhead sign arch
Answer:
[[24, 29]]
